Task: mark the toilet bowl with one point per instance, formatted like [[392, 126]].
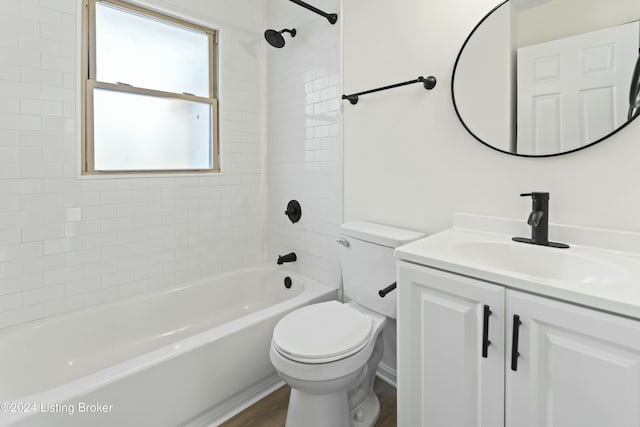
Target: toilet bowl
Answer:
[[329, 352], [324, 352]]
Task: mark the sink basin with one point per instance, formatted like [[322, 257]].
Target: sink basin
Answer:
[[601, 269], [540, 261]]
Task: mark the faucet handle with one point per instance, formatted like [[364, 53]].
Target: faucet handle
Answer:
[[536, 195]]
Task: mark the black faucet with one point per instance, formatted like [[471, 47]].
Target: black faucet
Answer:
[[290, 257], [539, 222]]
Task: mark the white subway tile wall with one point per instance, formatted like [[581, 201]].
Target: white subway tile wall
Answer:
[[305, 144], [68, 243]]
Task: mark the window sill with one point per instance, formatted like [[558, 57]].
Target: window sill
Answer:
[[81, 176]]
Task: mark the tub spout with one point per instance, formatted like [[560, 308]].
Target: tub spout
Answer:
[[291, 257]]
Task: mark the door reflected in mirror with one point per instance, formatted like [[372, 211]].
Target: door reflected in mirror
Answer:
[[547, 77]]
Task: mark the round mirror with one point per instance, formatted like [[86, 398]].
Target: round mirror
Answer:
[[539, 78]]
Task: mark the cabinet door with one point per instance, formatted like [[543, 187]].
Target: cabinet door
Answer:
[[443, 378], [577, 367]]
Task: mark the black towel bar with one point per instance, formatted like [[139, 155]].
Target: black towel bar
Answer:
[[428, 83]]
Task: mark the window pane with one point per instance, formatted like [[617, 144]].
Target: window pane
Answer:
[[138, 132], [152, 54]]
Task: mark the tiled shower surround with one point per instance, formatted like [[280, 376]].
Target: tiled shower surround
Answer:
[[305, 146], [68, 242]]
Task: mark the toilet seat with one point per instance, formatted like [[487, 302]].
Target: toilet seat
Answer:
[[322, 333]]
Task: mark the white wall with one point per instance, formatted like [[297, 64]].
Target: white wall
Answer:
[[305, 139], [68, 243], [409, 162]]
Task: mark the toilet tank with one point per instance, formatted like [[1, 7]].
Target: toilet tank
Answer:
[[368, 265]]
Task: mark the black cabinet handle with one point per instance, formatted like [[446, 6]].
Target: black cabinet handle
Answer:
[[485, 331], [514, 342], [383, 292]]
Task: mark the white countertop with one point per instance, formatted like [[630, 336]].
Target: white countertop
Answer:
[[604, 271]]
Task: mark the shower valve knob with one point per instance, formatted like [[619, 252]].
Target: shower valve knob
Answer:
[[294, 211]]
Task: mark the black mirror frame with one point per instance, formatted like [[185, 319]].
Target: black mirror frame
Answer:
[[455, 106]]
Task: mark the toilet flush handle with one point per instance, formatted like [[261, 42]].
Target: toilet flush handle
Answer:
[[343, 242], [383, 292]]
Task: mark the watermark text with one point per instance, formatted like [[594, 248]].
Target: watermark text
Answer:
[[55, 408]]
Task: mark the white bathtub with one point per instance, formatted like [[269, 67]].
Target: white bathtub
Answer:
[[181, 357]]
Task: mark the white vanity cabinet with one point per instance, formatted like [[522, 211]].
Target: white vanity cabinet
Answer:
[[443, 378], [576, 366]]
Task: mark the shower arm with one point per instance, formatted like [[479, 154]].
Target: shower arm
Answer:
[[331, 17]]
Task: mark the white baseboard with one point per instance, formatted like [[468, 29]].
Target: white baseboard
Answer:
[[237, 403], [388, 375]]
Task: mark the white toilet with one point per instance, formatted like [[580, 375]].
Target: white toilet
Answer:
[[329, 352]]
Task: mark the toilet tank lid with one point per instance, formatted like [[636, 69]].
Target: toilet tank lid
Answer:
[[384, 235]]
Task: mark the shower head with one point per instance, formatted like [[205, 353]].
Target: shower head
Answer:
[[275, 38]]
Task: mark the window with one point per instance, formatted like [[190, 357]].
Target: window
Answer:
[[149, 92]]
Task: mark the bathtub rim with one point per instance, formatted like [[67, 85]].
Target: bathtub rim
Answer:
[[35, 324]]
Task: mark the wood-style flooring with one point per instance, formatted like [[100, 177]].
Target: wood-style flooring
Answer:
[[271, 411]]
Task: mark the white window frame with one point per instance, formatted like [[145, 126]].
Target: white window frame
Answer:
[[89, 83]]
